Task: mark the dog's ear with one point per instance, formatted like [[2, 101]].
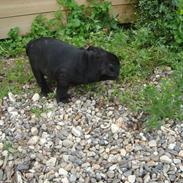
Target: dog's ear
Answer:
[[91, 48], [96, 49]]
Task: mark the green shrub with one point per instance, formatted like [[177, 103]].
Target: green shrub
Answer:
[[82, 19], [163, 19], [165, 102]]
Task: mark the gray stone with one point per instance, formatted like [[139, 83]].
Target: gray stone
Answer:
[[1, 162], [177, 161], [72, 178], [152, 143], [114, 158], [110, 174], [1, 175], [23, 166], [165, 159], [67, 143], [1, 146]]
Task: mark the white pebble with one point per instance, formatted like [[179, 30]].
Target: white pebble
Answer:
[[34, 131], [51, 162], [42, 141], [181, 168], [152, 143], [113, 167], [123, 152], [110, 113], [14, 113], [177, 161], [65, 180], [142, 136], [165, 159], [10, 109], [76, 132], [119, 120], [35, 97], [131, 178], [181, 153], [171, 146], [33, 140], [1, 122], [1, 146], [11, 97], [147, 178], [5, 153], [62, 172], [114, 128], [50, 114]]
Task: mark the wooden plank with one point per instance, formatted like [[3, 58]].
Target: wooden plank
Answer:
[[10, 8], [125, 13], [122, 2], [23, 22]]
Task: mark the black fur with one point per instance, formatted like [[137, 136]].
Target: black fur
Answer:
[[68, 65]]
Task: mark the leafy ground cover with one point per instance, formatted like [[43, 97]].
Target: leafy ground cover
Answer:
[[155, 41]]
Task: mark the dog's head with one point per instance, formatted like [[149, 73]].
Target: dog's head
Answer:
[[110, 65]]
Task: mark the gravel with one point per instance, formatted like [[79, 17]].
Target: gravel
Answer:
[[87, 140]]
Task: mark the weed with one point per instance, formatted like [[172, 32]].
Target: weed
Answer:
[[38, 111], [163, 103], [8, 146], [14, 76]]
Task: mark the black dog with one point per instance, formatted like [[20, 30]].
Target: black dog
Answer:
[[68, 65]]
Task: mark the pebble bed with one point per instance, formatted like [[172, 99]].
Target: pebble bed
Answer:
[[88, 140]]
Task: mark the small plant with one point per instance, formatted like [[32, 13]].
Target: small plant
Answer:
[[14, 76], [38, 111], [163, 103], [8, 146], [82, 19]]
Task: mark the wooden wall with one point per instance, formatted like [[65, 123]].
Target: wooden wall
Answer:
[[22, 12]]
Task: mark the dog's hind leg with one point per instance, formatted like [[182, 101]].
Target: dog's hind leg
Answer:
[[41, 82]]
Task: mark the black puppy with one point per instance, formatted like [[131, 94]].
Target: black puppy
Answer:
[[68, 65]]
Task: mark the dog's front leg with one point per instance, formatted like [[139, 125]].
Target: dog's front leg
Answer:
[[61, 93]]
